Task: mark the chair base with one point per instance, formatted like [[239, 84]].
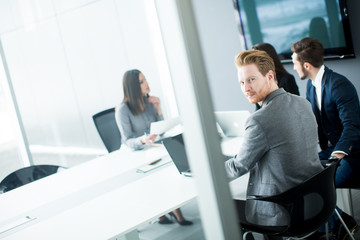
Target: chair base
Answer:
[[351, 235]]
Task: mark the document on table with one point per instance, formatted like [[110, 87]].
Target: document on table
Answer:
[[160, 127]]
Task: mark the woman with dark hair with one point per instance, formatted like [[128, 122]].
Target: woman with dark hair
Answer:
[[134, 116], [137, 111], [285, 80]]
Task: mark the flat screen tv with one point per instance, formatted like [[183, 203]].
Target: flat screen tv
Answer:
[[282, 22]]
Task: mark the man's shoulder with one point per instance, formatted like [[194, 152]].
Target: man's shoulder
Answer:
[[337, 82], [286, 97], [283, 103], [331, 76]]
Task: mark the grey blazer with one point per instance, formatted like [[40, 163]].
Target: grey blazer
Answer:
[[279, 150]]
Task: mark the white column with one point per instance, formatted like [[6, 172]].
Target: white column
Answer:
[[194, 101]]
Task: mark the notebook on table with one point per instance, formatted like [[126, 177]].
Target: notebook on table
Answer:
[[232, 123], [176, 149]]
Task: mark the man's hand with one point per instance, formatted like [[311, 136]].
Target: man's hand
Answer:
[[338, 155]]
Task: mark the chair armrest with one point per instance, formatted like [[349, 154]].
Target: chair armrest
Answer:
[[281, 200], [328, 162], [274, 198]]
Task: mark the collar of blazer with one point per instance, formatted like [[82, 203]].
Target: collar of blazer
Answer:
[[273, 95]]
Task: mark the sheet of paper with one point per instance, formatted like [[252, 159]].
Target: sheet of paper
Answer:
[[161, 127], [236, 191]]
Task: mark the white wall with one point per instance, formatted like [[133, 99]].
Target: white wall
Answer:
[[221, 41], [67, 58]]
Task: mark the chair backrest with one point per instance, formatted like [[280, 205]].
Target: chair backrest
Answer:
[[108, 130], [311, 203], [27, 175]]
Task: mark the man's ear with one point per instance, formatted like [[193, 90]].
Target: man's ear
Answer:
[[307, 65], [271, 75]]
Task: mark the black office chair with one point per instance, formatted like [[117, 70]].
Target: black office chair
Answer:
[[27, 175], [309, 206], [108, 130]]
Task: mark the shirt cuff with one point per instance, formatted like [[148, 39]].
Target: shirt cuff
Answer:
[[340, 152]]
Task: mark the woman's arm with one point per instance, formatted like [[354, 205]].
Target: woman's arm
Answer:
[[122, 116]]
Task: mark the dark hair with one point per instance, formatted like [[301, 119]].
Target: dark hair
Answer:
[[261, 59], [132, 92], [309, 50], [269, 49]]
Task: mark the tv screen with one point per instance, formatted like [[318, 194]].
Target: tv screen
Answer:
[[283, 22]]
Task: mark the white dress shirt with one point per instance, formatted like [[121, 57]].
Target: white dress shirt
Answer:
[[317, 84]]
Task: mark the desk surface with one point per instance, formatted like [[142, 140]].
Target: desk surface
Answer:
[[117, 212], [75, 185], [72, 180], [110, 198]]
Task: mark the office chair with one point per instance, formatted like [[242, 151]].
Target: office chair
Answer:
[[308, 205], [27, 175], [108, 130]]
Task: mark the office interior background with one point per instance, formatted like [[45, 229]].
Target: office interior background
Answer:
[[66, 58]]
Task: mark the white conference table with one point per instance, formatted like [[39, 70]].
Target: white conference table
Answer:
[[102, 199]]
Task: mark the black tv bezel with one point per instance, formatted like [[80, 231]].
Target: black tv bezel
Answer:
[[330, 53]]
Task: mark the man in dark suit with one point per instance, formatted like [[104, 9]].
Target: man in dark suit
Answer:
[[335, 104]]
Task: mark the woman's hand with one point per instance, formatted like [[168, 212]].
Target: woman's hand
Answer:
[[156, 102], [148, 139]]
